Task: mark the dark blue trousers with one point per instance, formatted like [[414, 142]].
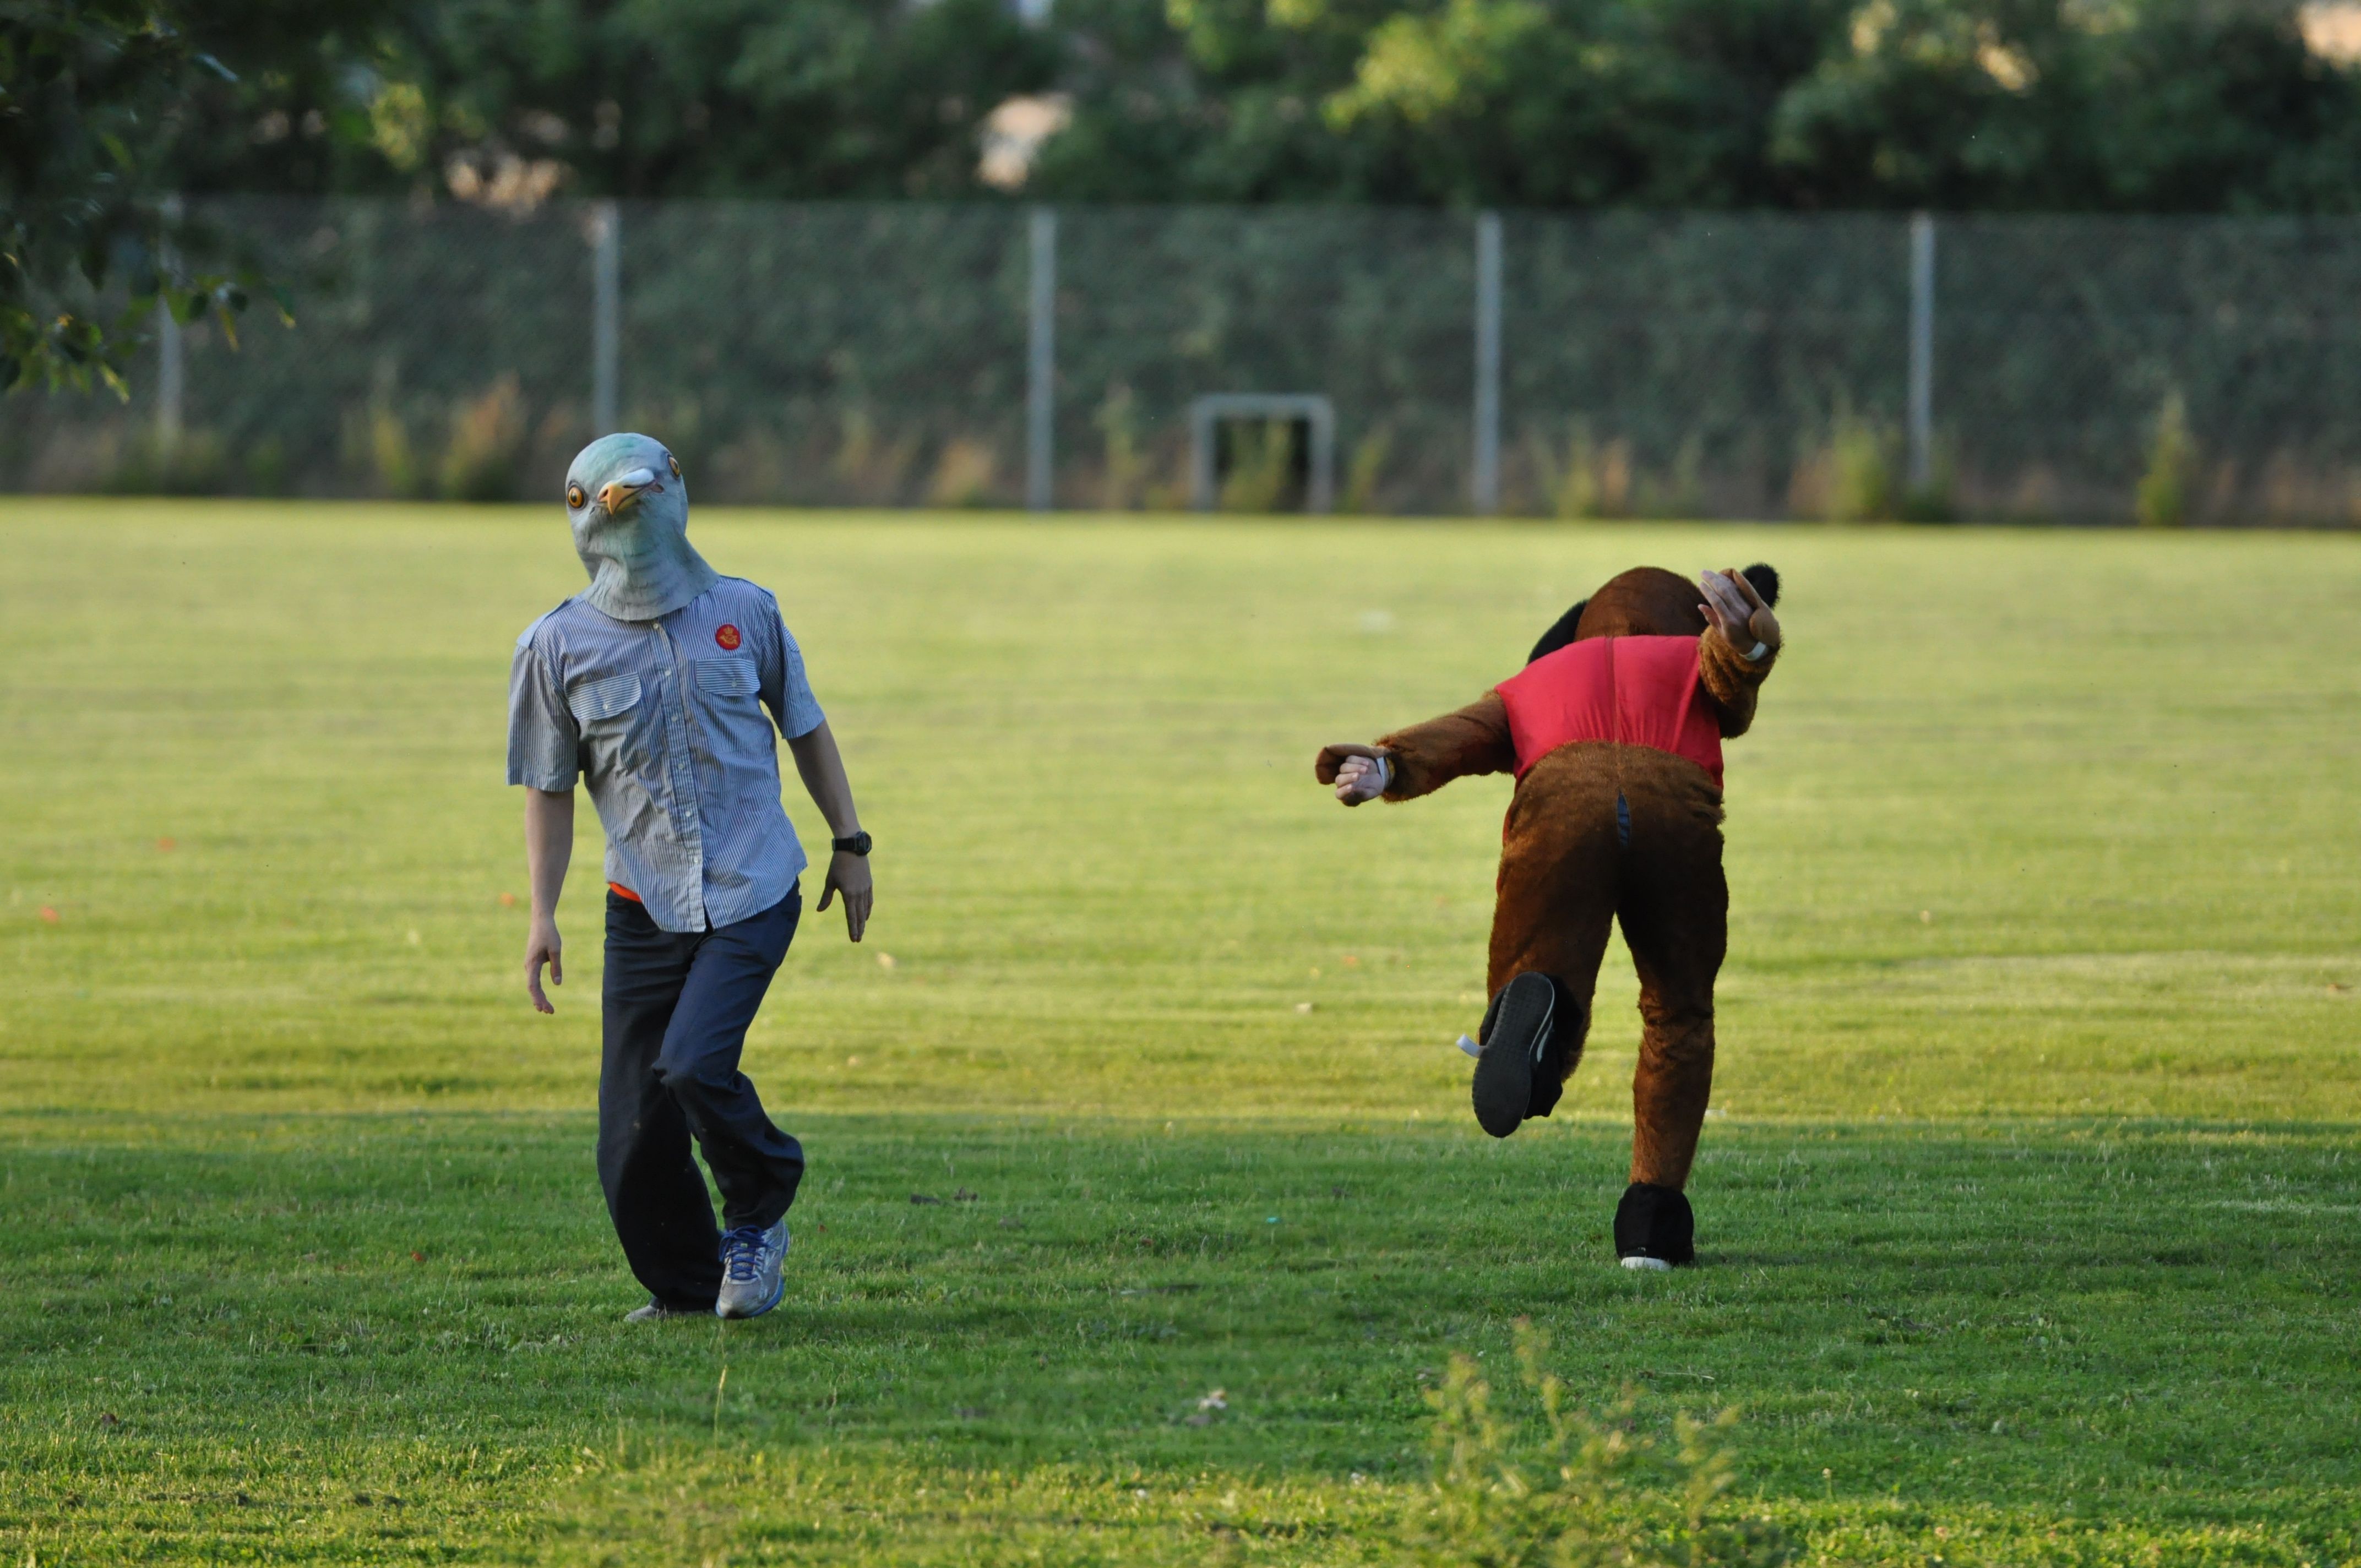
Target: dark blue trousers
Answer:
[[677, 1005]]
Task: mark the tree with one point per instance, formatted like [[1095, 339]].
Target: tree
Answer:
[[1533, 103], [2192, 106], [2172, 106], [637, 98], [97, 98]]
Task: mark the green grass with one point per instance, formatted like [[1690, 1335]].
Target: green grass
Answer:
[[2028, 1211]]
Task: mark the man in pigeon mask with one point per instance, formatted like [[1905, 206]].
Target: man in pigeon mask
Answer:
[[650, 687], [641, 563]]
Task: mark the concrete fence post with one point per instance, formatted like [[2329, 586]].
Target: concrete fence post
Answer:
[[1922, 349], [606, 317], [1041, 363], [1484, 480], [171, 376]]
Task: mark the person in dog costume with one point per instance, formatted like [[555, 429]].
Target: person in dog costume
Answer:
[[1614, 731]]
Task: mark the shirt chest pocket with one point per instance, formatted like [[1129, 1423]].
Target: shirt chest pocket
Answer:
[[608, 697], [733, 676]]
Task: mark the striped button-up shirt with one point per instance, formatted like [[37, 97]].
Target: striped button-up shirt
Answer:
[[660, 719]]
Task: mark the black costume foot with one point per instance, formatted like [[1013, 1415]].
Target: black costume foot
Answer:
[[1516, 1038], [1654, 1227]]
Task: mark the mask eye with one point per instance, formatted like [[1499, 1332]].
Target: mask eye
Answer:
[[574, 497], [674, 461]]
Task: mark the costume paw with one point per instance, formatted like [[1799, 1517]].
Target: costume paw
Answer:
[[1654, 1227]]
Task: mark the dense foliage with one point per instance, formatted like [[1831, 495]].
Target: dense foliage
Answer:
[[693, 98], [96, 101], [2108, 104], [2159, 106], [109, 106], [2089, 105]]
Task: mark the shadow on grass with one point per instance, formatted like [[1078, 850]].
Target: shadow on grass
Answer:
[[2104, 1322]]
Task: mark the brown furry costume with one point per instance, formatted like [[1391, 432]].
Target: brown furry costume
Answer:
[[1602, 830]]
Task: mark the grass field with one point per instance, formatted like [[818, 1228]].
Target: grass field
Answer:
[[2030, 1210]]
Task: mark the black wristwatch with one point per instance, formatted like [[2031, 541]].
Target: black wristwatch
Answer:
[[856, 845]]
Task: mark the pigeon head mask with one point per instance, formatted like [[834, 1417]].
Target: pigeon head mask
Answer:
[[629, 507]]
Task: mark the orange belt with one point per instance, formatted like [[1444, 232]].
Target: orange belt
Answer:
[[621, 891]]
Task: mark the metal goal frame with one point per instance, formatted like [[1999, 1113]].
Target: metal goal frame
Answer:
[[1315, 409]]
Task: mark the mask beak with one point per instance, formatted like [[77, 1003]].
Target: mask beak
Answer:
[[617, 494]]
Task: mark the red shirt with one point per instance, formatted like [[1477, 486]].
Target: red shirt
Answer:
[[1639, 691]]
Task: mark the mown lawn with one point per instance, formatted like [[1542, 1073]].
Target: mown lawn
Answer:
[[2028, 1211]]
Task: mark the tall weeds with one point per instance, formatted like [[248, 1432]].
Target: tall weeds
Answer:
[[1127, 468], [1367, 470], [1262, 460], [1861, 486], [485, 458], [1578, 1490], [1589, 479], [391, 456], [2163, 498], [962, 473]]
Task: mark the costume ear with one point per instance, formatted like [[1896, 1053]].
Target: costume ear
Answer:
[[1560, 634], [1766, 582]]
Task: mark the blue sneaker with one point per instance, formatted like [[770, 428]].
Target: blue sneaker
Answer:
[[752, 1271]]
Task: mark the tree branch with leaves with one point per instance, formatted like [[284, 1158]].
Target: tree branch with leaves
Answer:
[[95, 98]]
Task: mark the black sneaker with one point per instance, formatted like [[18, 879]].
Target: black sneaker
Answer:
[[1654, 1227], [1568, 1028], [1516, 1036]]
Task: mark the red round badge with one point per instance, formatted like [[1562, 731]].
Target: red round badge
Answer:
[[727, 637]]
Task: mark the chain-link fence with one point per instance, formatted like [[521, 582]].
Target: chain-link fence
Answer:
[[897, 355]]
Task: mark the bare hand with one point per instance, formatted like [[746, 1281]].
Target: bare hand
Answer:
[[849, 873], [1738, 612], [545, 945], [1353, 771]]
